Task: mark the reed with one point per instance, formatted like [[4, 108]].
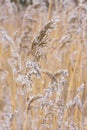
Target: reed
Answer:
[[43, 65]]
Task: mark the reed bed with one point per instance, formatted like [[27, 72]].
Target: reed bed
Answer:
[[43, 65]]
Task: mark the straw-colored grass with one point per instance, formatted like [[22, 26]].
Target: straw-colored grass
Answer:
[[43, 65]]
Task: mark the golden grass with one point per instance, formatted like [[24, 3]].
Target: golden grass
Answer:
[[43, 67]]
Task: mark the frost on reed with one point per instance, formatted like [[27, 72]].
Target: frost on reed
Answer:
[[41, 39], [43, 66]]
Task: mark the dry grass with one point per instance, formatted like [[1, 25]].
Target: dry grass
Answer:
[[43, 66]]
